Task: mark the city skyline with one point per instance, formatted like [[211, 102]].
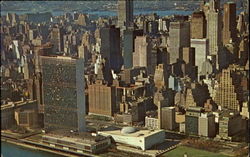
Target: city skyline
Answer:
[[126, 78]]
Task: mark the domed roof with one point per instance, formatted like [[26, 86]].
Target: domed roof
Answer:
[[128, 130]]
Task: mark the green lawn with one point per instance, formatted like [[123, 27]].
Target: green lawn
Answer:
[[191, 152]]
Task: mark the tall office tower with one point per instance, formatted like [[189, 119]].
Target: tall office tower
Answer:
[[129, 46], [230, 124], [125, 13], [142, 56], [38, 51], [192, 120], [63, 90], [83, 20], [83, 52], [102, 99], [214, 28], [110, 47], [57, 39], [161, 77], [214, 4], [168, 118], [228, 92], [207, 125], [214, 31], [198, 25], [229, 23], [179, 37], [88, 40], [15, 19], [189, 55], [201, 52]]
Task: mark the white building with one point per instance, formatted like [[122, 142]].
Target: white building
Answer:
[[143, 139], [207, 125], [201, 51], [245, 110]]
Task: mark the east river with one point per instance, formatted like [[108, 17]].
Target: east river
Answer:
[[11, 150]]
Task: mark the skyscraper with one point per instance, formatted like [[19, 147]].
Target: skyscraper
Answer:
[[192, 120], [179, 37], [189, 55], [142, 56], [57, 39], [125, 13], [201, 52], [168, 118], [63, 90], [129, 46], [214, 27], [229, 22], [228, 91], [102, 99], [110, 47], [198, 25]]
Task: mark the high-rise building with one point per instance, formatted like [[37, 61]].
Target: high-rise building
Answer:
[[198, 25], [227, 94], [207, 125], [110, 47], [229, 23], [189, 55], [125, 13], [57, 39], [214, 28], [192, 120], [83, 20], [190, 100], [102, 99], [230, 124], [161, 77], [129, 46], [201, 52], [83, 52], [63, 90], [179, 37], [168, 118], [142, 56], [214, 4], [43, 50]]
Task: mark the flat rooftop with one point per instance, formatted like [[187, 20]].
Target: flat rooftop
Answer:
[[139, 133], [83, 137]]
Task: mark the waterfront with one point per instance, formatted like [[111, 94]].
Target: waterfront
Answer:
[[11, 150]]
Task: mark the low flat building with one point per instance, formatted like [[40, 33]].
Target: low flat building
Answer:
[[7, 116], [143, 139], [26, 118], [8, 112], [79, 143]]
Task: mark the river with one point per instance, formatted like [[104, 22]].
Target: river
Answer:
[[11, 150]]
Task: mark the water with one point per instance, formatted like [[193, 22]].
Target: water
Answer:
[[113, 13], [161, 13], [11, 150]]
